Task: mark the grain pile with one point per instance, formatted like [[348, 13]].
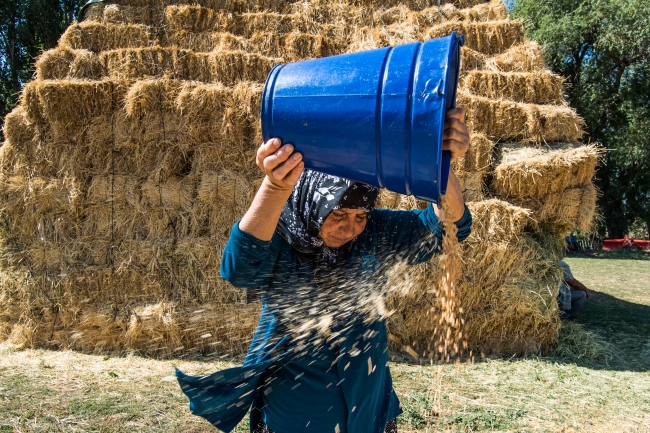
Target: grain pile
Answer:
[[132, 154]]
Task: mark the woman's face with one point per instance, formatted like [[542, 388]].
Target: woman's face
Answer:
[[341, 226]]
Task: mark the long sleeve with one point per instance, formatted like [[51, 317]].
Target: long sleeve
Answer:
[[247, 260]]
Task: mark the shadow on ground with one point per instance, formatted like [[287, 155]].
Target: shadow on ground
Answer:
[[624, 325]]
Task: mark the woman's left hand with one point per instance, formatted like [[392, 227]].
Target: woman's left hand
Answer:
[[455, 137]]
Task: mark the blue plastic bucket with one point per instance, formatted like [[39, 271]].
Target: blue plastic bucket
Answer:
[[374, 116]]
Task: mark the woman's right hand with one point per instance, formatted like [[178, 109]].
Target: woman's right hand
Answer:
[[281, 165]]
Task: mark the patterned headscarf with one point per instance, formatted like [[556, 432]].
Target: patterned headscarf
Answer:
[[314, 197]]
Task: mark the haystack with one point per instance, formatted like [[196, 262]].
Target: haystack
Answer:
[[132, 151]]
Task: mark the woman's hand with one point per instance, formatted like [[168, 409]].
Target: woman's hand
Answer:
[[281, 165], [455, 137]]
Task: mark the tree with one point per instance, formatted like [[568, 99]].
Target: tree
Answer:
[[27, 27], [602, 47]]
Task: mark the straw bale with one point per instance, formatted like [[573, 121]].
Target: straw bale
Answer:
[[393, 200], [99, 330], [399, 25], [220, 328], [217, 210], [215, 113], [369, 38], [125, 14], [136, 63], [536, 172], [564, 211], [495, 219], [471, 184], [414, 4], [65, 256], [429, 17], [197, 19], [202, 42], [230, 67], [120, 190], [168, 162], [96, 37], [12, 160], [115, 132], [532, 87], [218, 156], [294, 46], [71, 101], [250, 23], [20, 337], [40, 208], [165, 130], [491, 11], [525, 57], [202, 254], [18, 130], [492, 37], [48, 157], [226, 188], [471, 59], [45, 194], [479, 155], [111, 221], [241, 6], [175, 193], [153, 326], [151, 96], [336, 13], [21, 228], [65, 63], [227, 67], [513, 120], [147, 257]]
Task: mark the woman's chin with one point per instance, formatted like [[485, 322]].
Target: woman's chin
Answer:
[[336, 243]]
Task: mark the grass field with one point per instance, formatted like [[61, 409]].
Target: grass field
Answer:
[[596, 380]]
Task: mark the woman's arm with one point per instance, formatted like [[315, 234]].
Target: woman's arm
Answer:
[[282, 168], [456, 140]]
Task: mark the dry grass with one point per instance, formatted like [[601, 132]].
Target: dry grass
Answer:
[[479, 156], [526, 57], [228, 67], [529, 87], [564, 211], [537, 172], [513, 120], [471, 185], [116, 13], [71, 101], [97, 37], [488, 37]]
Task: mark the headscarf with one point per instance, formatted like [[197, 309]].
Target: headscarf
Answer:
[[314, 197]]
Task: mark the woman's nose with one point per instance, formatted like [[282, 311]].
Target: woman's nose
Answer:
[[346, 226]]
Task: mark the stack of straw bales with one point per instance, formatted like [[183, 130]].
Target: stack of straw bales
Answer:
[[131, 155]]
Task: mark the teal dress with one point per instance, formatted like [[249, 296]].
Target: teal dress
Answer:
[[315, 384]]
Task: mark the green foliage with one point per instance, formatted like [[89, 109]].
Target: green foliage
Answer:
[[27, 27], [484, 419], [602, 47], [415, 409]]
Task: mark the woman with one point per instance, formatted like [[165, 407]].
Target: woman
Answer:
[[318, 251]]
